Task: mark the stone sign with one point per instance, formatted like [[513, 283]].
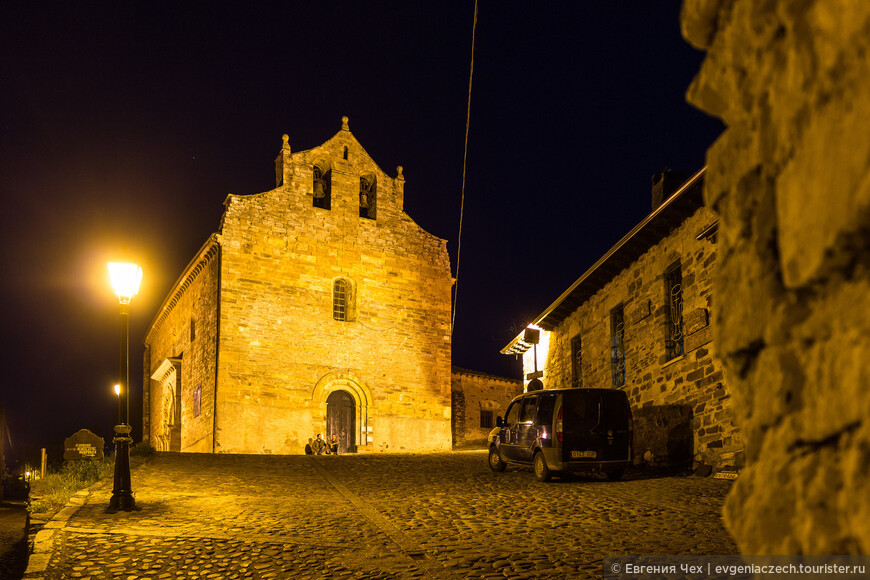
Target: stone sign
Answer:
[[641, 312], [696, 320], [84, 444], [699, 338]]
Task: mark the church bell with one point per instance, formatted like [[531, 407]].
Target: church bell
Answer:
[[319, 189]]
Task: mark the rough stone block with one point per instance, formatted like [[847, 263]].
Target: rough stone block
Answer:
[[790, 179], [698, 339]]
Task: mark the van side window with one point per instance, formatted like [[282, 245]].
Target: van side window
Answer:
[[545, 410], [513, 413], [530, 405]]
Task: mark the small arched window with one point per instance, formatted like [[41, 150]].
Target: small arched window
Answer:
[[341, 300]]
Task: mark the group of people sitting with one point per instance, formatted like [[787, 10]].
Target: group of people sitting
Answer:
[[320, 447]]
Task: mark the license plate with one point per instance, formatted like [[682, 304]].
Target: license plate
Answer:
[[583, 455]]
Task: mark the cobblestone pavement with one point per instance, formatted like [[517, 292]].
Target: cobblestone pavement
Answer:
[[373, 516]]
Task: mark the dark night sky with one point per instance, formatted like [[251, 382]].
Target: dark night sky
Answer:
[[125, 125]]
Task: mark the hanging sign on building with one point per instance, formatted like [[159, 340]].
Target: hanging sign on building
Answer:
[[84, 444]]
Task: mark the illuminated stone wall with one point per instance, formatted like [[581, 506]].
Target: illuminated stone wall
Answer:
[[681, 407], [790, 177], [282, 353], [192, 301], [474, 392]]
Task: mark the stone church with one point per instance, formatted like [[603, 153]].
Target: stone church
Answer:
[[319, 306]]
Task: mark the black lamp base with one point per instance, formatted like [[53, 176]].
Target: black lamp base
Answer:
[[122, 494]]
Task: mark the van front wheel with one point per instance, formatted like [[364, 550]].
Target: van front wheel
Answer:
[[542, 472], [495, 462]]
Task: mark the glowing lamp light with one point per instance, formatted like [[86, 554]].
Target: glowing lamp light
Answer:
[[125, 280], [118, 390]]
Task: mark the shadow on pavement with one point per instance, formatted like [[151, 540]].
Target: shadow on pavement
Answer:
[[13, 540]]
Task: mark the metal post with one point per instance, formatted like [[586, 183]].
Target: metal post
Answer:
[[124, 373], [122, 494]]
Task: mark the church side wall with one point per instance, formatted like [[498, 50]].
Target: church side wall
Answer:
[[172, 338], [681, 407]]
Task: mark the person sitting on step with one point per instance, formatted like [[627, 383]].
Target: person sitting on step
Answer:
[[319, 445]]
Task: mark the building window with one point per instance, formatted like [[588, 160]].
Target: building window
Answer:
[[322, 187], [674, 311], [486, 419], [617, 345], [367, 196], [341, 300], [577, 360], [197, 400]]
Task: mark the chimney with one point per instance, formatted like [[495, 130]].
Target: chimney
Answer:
[[664, 184]]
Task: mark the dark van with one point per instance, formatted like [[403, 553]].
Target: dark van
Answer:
[[557, 430]]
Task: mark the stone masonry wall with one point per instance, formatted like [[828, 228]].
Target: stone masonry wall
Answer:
[[790, 177], [193, 299], [682, 407], [282, 353], [474, 392]]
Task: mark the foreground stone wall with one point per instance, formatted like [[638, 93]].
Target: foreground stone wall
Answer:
[[790, 178]]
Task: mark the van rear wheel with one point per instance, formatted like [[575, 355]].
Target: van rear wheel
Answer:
[[542, 472], [495, 462], [615, 475]]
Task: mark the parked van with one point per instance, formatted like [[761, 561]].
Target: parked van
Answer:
[[557, 430]]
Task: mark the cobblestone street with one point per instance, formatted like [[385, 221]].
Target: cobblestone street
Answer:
[[373, 516]]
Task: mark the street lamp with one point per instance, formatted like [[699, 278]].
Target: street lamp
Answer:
[[125, 280]]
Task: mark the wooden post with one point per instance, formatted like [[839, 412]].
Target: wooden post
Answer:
[[43, 464]]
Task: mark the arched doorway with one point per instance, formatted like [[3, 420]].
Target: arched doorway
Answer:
[[341, 420]]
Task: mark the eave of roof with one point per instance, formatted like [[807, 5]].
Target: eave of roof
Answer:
[[200, 259], [654, 228]]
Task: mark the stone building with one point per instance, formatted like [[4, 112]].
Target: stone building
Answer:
[[638, 320], [319, 306], [477, 399], [790, 180]]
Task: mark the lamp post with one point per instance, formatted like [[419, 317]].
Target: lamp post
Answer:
[[125, 280]]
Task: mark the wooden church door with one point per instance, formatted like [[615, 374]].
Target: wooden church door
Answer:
[[341, 421]]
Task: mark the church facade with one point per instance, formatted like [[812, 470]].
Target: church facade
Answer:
[[319, 306]]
